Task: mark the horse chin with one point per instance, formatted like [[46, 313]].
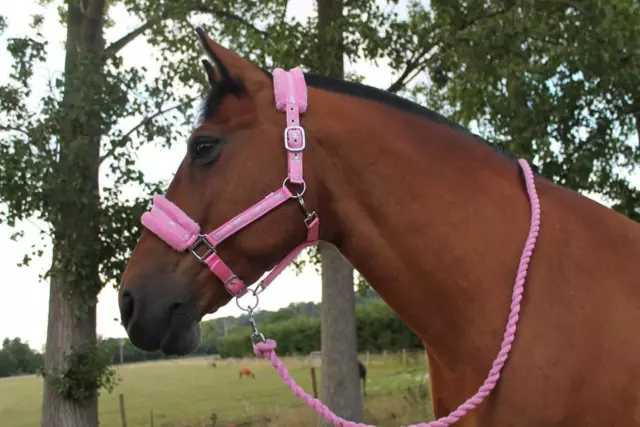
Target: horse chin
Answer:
[[182, 340]]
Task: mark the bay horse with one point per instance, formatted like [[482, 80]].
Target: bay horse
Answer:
[[433, 217]]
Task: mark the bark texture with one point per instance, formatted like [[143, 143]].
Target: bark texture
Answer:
[[75, 212], [340, 381]]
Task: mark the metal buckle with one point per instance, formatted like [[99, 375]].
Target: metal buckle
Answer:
[[310, 218], [202, 238], [231, 279], [302, 136]]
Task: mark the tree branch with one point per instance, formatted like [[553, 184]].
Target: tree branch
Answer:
[[636, 118], [233, 17], [144, 122], [284, 11], [13, 129], [119, 44], [400, 81], [418, 64]]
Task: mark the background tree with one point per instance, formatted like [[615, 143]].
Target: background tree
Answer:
[[557, 82], [340, 380], [210, 337], [17, 358], [379, 329]]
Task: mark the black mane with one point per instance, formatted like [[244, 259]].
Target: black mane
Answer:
[[344, 87], [392, 100]]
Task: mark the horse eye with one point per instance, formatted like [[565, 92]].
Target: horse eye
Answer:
[[203, 147]]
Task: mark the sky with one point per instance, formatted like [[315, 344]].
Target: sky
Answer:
[[24, 305]]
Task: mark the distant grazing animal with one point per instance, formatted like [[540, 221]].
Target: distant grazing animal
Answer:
[[362, 371], [213, 364], [247, 372]]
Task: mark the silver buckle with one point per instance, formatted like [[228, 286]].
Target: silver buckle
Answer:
[[310, 218], [231, 279], [303, 137], [202, 238]]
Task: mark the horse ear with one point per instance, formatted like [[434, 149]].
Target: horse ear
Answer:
[[212, 76], [230, 66]]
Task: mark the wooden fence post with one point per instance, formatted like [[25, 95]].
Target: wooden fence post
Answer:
[[314, 383], [123, 413]]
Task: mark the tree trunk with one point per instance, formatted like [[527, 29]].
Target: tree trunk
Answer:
[[64, 332], [340, 378], [75, 203]]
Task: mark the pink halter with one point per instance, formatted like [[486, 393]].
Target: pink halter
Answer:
[[182, 233]]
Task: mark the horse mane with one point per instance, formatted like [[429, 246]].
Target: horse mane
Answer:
[[359, 90], [390, 99]]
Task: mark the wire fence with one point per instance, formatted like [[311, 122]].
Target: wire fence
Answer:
[[411, 363]]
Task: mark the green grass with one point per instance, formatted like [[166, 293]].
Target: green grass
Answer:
[[185, 393]]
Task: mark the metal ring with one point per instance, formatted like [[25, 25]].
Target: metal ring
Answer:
[[249, 308], [304, 186]]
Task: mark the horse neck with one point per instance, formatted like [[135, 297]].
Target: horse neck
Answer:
[[433, 219]]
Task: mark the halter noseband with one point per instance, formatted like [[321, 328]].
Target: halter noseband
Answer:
[[179, 231]]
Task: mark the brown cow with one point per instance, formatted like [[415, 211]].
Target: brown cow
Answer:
[[246, 372]]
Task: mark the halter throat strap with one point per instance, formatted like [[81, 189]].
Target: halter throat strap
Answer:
[[178, 230]]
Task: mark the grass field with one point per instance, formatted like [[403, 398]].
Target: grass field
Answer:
[[184, 393]]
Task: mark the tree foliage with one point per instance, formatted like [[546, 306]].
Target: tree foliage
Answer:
[[88, 371], [552, 81], [17, 358], [296, 328], [379, 329]]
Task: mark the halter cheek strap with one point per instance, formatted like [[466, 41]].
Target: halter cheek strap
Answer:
[[178, 230], [291, 96]]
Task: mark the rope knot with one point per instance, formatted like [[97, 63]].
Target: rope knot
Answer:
[[264, 348]]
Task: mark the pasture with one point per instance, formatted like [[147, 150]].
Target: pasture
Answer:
[[185, 392]]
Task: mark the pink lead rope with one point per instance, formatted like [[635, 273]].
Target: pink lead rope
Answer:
[[183, 234]]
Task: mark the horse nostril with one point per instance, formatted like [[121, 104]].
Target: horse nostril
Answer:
[[126, 310]]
